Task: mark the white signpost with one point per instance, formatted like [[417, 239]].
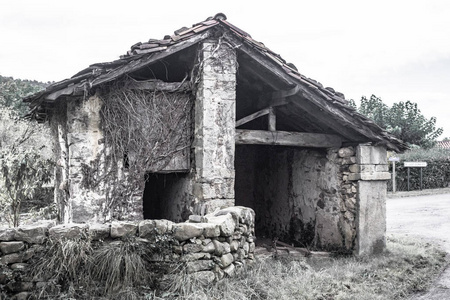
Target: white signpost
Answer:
[[415, 164], [394, 182]]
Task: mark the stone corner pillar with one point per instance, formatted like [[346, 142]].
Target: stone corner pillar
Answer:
[[372, 175], [214, 129]]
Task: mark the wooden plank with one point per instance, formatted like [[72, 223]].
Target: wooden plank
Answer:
[[160, 85], [272, 120], [285, 138], [251, 117]]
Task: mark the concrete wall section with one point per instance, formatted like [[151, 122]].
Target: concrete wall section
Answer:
[[215, 115]]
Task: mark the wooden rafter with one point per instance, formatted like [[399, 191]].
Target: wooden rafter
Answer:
[[253, 116]]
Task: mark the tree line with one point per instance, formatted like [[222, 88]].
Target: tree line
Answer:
[[404, 120]]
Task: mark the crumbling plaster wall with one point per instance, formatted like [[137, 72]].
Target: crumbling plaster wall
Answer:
[[86, 144], [299, 195]]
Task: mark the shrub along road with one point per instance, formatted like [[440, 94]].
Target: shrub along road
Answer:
[[426, 216]]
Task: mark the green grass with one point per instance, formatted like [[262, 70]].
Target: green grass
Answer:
[[408, 266]]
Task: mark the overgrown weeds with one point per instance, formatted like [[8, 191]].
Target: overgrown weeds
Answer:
[[81, 269], [407, 266], [121, 265]]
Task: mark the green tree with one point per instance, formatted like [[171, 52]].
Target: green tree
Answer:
[[25, 162], [404, 120], [12, 91]]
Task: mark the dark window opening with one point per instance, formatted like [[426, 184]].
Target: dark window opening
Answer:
[[166, 196]]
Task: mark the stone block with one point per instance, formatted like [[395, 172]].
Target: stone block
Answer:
[[186, 231], [354, 168], [199, 265], [375, 155], [220, 248], [225, 222], [31, 234], [346, 152], [11, 247], [163, 226], [68, 231], [234, 246], [211, 230], [99, 231], [7, 234], [11, 258], [192, 248], [243, 214], [348, 160], [121, 229], [147, 228], [226, 260], [230, 270], [209, 248], [196, 219]]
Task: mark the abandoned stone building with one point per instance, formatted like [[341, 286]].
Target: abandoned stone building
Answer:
[[209, 118]]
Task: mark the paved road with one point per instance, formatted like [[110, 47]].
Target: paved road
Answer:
[[426, 217]]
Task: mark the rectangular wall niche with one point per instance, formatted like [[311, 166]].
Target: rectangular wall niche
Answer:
[[166, 196]]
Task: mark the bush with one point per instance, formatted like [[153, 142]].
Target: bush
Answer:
[[25, 163]]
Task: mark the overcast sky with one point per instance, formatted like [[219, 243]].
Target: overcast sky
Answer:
[[398, 50]]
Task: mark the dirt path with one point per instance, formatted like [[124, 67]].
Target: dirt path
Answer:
[[428, 217]]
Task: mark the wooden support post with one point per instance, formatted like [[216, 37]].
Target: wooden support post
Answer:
[[272, 119]]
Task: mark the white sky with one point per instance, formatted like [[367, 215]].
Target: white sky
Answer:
[[396, 49]]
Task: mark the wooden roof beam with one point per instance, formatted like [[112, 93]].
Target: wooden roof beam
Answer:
[[286, 138]]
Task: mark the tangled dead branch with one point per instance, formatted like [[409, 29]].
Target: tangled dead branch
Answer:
[[144, 129]]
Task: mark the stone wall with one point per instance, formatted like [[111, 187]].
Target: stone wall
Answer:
[[299, 195], [210, 247], [214, 129]]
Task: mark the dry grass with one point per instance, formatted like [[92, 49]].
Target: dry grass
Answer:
[[408, 266], [121, 270]]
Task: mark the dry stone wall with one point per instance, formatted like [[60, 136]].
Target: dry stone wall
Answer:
[[210, 247]]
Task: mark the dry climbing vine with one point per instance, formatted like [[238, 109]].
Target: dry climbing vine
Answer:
[[144, 129]]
